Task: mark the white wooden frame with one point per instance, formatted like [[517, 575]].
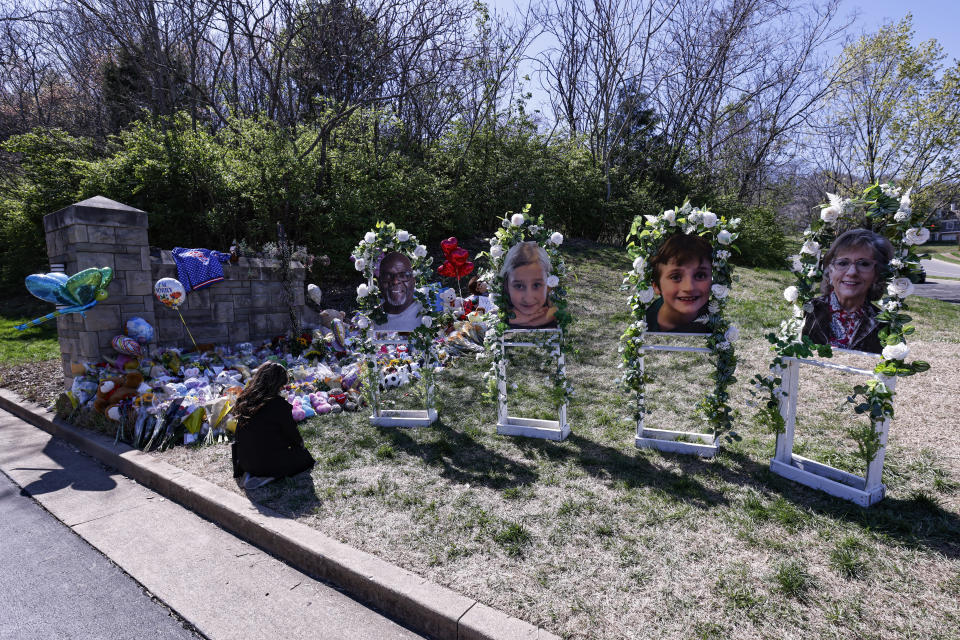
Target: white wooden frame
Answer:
[[509, 425], [397, 417], [863, 491], [665, 439]]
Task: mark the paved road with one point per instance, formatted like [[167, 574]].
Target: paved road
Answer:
[[936, 267], [936, 285], [55, 585]]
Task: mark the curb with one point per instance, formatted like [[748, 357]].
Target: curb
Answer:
[[421, 605]]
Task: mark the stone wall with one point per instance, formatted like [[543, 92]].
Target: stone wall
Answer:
[[246, 306]]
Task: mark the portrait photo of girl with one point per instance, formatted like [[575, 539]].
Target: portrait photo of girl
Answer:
[[682, 276], [525, 271]]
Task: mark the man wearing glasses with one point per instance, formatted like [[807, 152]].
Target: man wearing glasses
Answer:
[[396, 283]]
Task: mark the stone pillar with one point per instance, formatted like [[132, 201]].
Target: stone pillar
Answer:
[[99, 232]]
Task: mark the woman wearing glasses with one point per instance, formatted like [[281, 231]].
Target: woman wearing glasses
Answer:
[[852, 278]]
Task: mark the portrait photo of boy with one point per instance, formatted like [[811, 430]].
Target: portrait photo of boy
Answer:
[[682, 276]]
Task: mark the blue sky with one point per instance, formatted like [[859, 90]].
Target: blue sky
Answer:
[[938, 19]]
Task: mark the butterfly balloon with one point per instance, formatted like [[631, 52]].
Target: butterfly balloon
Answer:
[[78, 292]]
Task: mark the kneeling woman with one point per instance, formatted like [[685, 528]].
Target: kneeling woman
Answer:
[[268, 444]]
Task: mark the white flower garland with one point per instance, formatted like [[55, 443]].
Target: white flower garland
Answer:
[[893, 217], [649, 233], [386, 238], [516, 228]]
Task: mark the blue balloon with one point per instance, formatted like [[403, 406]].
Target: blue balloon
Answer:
[[50, 287], [140, 330]]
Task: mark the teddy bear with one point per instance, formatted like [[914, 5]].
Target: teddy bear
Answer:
[[112, 390]]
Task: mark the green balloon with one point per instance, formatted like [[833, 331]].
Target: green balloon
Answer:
[[83, 286]]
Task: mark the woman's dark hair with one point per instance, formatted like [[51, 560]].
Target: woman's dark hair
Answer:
[[684, 249], [855, 239], [265, 385]]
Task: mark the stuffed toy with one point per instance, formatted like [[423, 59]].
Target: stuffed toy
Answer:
[[113, 390], [327, 316]]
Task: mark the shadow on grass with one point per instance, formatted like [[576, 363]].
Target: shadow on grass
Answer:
[[290, 497], [463, 459], [630, 471], [916, 521]]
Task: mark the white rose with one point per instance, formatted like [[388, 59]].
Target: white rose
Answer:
[[811, 247], [496, 251], [830, 214], [370, 237], [556, 238], [724, 237], [670, 216], [795, 264], [534, 228], [891, 305], [901, 215], [723, 254], [641, 326], [709, 219], [359, 264], [791, 293], [719, 291], [896, 263], [426, 321], [917, 235], [735, 223], [362, 291], [900, 287], [695, 217], [732, 334], [723, 346], [420, 251], [645, 296], [713, 307], [517, 219], [639, 264], [402, 235], [552, 281], [897, 351], [363, 322]]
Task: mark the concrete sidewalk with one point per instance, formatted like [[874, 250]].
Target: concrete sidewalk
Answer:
[[156, 552], [224, 587]]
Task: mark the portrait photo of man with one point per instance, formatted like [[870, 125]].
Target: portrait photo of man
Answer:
[[396, 282]]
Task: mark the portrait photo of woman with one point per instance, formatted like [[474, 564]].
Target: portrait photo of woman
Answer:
[[525, 270], [852, 278]]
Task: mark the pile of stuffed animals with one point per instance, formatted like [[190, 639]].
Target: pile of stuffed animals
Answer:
[[168, 396]]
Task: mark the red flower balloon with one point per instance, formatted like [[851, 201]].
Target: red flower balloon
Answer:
[[458, 256], [448, 245]]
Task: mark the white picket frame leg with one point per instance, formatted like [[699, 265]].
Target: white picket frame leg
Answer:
[[509, 425], [665, 439], [409, 418], [863, 491]]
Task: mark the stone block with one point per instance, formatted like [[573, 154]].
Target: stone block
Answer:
[[298, 296], [223, 312], [77, 234], [134, 307], [89, 346], [85, 260], [145, 258], [102, 317], [102, 235], [138, 283], [211, 332], [127, 262], [239, 332], [198, 300], [131, 237]]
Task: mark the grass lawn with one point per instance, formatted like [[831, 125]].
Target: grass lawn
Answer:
[[592, 538], [948, 252], [29, 345]]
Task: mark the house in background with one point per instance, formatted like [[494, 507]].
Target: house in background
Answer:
[[948, 229]]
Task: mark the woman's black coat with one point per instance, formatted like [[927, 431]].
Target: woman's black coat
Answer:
[[269, 444]]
